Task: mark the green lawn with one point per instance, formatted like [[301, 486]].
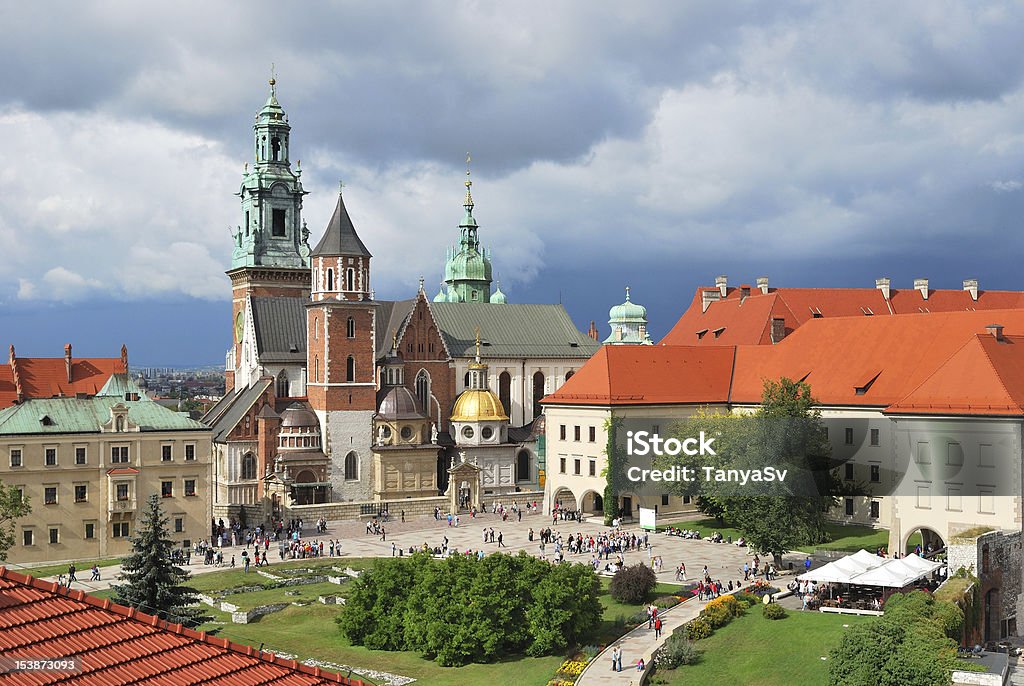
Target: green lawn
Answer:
[[851, 538], [82, 568], [754, 650], [311, 632], [847, 538], [616, 613]]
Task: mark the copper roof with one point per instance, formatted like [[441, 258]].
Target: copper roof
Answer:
[[119, 645]]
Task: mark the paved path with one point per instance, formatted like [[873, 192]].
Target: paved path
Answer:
[[724, 561], [639, 642]]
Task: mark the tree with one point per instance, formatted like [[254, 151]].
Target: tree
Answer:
[[633, 584], [905, 647], [610, 500], [13, 504], [785, 433], [154, 584]]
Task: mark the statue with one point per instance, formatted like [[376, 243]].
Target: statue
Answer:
[[433, 433], [380, 435], [237, 235]]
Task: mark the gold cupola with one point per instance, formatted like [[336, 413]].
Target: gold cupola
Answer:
[[478, 403]]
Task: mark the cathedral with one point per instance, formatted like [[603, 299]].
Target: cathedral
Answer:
[[334, 396]]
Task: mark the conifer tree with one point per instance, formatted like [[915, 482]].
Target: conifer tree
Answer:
[[152, 582]]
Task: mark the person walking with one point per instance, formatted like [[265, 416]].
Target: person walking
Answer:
[[95, 573], [71, 574], [500, 537], [657, 628]]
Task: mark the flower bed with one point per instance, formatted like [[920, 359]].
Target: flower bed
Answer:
[[570, 669]]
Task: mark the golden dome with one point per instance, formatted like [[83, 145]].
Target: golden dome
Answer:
[[477, 406]]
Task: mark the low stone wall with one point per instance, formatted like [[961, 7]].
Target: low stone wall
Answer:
[[413, 507], [238, 617]]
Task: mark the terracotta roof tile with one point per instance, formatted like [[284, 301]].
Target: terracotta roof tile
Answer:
[[747, 319], [118, 645]]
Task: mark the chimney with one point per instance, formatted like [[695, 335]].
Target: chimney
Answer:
[[708, 296], [921, 285], [67, 360], [12, 357], [592, 331], [778, 329], [124, 357], [762, 284], [971, 286], [17, 377], [996, 331], [882, 284], [722, 283]]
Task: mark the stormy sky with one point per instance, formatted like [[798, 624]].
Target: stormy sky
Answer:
[[653, 144]]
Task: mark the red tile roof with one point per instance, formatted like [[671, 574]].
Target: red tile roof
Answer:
[[47, 377], [746, 319], [935, 363], [118, 645], [646, 374]]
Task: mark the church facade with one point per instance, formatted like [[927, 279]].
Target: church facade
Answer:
[[382, 379]]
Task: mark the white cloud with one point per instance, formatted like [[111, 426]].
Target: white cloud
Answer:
[[1007, 186]]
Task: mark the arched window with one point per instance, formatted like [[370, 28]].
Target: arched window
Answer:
[[523, 465], [350, 369], [466, 381], [350, 328], [350, 279], [538, 393], [282, 385], [330, 279], [505, 391], [275, 148], [568, 374], [423, 390], [316, 328], [248, 466], [351, 467]]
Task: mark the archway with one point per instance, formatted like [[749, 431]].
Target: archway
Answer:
[[592, 503], [993, 616], [924, 540], [564, 499], [523, 470], [305, 495]]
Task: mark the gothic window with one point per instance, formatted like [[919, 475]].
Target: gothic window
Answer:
[[523, 465], [350, 279], [568, 374], [538, 392], [316, 328], [316, 368], [330, 279], [351, 467], [423, 390], [350, 369], [282, 385], [466, 381], [350, 328], [279, 221], [275, 148], [248, 466], [505, 391]]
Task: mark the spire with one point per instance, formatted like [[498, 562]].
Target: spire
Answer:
[[273, 81], [468, 204], [341, 238], [627, 293], [478, 345]]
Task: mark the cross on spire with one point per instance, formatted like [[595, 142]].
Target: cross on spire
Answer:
[[273, 80], [469, 183]]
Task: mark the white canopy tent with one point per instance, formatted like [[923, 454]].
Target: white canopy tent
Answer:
[[867, 569]]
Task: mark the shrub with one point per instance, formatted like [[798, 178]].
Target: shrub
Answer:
[[698, 628], [731, 605], [774, 611], [748, 599], [667, 601], [678, 650], [633, 584], [716, 615]]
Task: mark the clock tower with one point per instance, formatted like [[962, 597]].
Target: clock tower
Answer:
[[271, 245]]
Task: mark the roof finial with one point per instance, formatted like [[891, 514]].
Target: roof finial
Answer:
[[421, 284], [273, 80], [478, 344], [394, 343], [627, 293], [469, 183], [341, 186]]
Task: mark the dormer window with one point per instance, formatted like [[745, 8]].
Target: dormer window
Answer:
[[45, 420]]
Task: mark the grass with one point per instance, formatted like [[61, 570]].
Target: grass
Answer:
[[82, 568], [754, 650], [845, 538], [311, 632], [953, 589], [614, 611]]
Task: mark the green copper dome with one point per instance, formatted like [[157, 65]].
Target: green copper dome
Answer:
[[628, 322], [498, 297], [467, 269]]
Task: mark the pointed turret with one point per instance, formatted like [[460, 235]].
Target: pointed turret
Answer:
[[467, 271], [340, 238]]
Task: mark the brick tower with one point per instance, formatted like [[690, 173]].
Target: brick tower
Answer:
[[340, 340], [271, 253]]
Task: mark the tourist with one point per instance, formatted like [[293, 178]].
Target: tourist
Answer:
[[96, 573], [657, 628], [617, 659], [640, 665]]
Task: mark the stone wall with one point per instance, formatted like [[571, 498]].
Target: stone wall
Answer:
[[413, 506], [997, 560]]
